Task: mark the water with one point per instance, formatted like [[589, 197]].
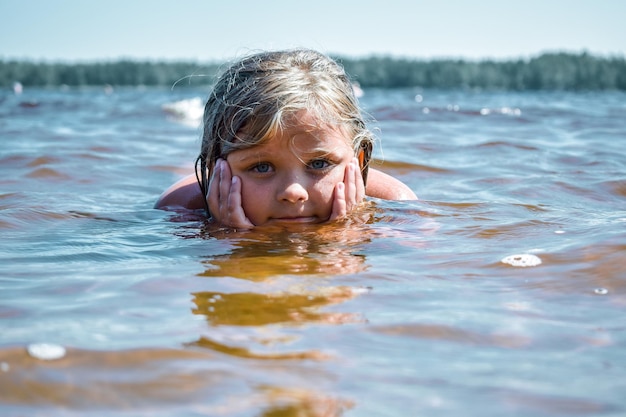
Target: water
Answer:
[[410, 313]]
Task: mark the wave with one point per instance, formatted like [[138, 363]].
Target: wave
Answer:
[[188, 111]]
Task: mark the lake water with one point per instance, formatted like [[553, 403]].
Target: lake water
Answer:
[[411, 313]]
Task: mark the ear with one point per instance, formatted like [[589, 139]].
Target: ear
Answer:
[[365, 154]]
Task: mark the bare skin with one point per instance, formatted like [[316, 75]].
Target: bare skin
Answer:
[[305, 174], [186, 194]]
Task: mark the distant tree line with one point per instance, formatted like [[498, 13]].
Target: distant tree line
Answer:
[[114, 73], [549, 71]]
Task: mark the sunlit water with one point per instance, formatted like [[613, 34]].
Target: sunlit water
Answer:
[[409, 312]]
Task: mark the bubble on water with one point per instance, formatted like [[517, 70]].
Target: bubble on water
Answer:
[[601, 291], [485, 111], [46, 351], [511, 111], [523, 260], [419, 98], [360, 290], [559, 232]]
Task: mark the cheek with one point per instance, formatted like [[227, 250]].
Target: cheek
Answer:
[[325, 187], [254, 200]]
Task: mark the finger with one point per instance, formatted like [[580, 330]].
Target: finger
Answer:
[[236, 215], [339, 209], [348, 180], [354, 192], [225, 183], [355, 189]]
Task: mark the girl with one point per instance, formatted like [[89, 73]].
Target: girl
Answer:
[[284, 141]]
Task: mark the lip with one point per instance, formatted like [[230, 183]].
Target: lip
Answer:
[[296, 219]]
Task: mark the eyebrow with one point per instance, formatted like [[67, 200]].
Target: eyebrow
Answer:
[[256, 153], [261, 155], [257, 156]]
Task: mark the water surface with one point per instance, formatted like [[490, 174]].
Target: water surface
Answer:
[[410, 312]]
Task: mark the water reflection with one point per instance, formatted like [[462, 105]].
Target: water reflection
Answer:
[[268, 316], [267, 252], [245, 353], [294, 402], [260, 309], [268, 287]]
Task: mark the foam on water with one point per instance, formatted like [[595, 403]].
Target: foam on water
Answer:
[[46, 351], [187, 111], [523, 260]]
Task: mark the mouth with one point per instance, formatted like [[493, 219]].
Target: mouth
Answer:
[[295, 219]]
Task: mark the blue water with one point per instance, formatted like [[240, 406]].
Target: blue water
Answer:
[[410, 313]]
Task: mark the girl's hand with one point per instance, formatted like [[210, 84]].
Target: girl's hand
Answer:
[[349, 193], [224, 198]]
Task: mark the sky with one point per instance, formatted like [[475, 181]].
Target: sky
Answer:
[[206, 30]]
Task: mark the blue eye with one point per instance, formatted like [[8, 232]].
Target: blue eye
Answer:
[[319, 164], [262, 168]]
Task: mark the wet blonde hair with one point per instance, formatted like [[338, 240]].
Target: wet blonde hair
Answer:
[[258, 95]]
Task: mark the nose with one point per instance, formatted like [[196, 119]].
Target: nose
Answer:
[[293, 191]]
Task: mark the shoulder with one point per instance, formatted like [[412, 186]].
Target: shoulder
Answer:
[[381, 185], [183, 194]]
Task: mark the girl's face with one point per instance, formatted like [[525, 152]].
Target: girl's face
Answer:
[[291, 178]]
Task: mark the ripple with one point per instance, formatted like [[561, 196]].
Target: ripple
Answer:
[[617, 187], [48, 173], [43, 160], [405, 167], [453, 334]]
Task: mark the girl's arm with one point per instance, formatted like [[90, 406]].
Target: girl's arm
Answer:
[[185, 194], [381, 185]]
